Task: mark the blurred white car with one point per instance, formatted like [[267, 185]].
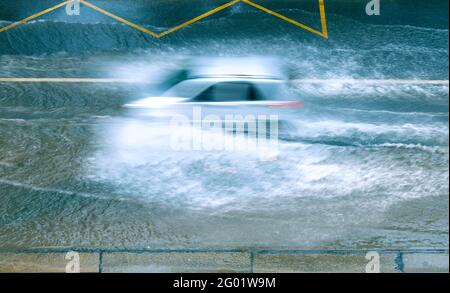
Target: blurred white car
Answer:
[[224, 87]]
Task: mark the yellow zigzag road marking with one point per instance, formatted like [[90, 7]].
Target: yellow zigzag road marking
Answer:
[[323, 33], [198, 18], [8, 27], [142, 29], [300, 81]]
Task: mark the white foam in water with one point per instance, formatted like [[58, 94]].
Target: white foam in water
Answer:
[[332, 127], [139, 163]]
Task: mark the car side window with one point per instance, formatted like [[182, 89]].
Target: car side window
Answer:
[[227, 92]]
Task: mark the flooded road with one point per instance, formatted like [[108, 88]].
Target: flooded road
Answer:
[[363, 166]]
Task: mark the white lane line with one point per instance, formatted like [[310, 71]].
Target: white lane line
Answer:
[[65, 80], [370, 81], [300, 81]]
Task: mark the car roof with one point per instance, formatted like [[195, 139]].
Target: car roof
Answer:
[[237, 67]]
